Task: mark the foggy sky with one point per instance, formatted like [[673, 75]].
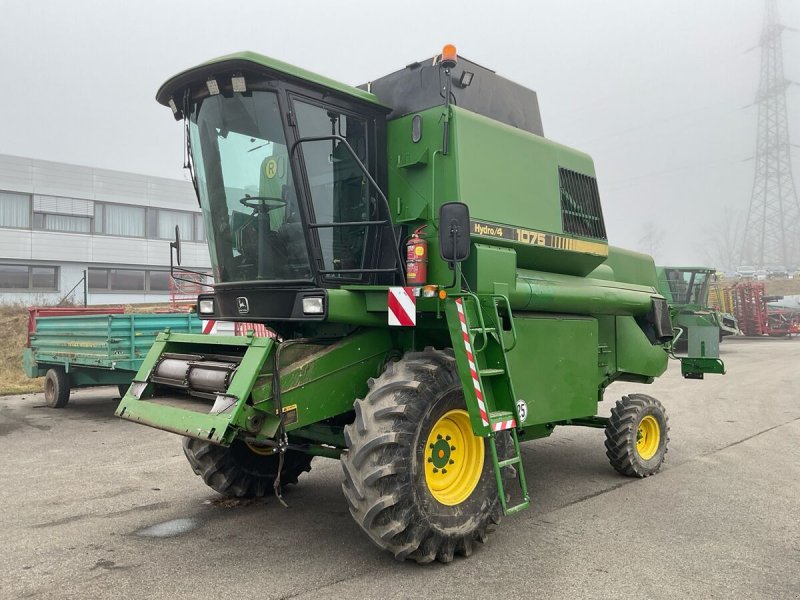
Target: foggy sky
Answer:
[[654, 90]]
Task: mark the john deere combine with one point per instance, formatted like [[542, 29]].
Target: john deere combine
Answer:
[[439, 280]]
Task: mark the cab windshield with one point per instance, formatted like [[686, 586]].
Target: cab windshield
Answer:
[[244, 177], [688, 287], [241, 166]]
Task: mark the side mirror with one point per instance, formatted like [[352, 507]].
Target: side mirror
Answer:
[[454, 231], [176, 245]]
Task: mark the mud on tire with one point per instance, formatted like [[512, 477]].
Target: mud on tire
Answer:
[[384, 478], [240, 472]]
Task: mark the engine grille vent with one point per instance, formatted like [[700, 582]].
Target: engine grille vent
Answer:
[[581, 213]]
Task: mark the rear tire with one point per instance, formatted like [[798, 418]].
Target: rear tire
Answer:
[[394, 492], [241, 471], [56, 388], [637, 435]]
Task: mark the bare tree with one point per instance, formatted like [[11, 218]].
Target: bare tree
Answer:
[[721, 241], [652, 240]]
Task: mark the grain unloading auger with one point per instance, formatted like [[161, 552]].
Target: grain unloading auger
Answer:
[[439, 279]]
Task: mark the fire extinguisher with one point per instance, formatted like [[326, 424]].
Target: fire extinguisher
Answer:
[[417, 258]]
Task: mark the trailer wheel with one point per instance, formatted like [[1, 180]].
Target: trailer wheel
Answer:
[[242, 470], [122, 388], [637, 435], [416, 479], [56, 388]]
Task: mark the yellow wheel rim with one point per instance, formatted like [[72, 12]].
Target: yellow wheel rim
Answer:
[[648, 437], [453, 458]]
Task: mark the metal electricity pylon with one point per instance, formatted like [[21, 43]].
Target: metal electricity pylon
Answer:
[[772, 229]]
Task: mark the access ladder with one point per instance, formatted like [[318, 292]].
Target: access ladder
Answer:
[[479, 342]]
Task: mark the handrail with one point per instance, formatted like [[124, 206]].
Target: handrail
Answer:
[[396, 242], [505, 300], [474, 297]]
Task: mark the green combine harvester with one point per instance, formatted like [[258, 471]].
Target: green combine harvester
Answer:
[[701, 327], [440, 284]]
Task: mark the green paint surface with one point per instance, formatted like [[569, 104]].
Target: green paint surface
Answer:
[[552, 315]]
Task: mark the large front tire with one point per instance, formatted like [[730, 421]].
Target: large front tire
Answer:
[[242, 471], [417, 480]]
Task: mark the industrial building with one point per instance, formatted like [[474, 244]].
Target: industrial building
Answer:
[[60, 221]]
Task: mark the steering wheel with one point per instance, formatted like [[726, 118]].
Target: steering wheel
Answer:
[[265, 203]]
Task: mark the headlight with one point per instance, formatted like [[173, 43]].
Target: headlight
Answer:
[[206, 307], [312, 305]]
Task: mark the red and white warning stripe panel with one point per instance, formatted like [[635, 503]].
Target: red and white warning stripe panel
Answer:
[[209, 327], [258, 329], [214, 327], [402, 307], [473, 370], [501, 425]]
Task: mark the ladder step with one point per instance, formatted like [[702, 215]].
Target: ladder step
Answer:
[[509, 461], [518, 507], [491, 372], [498, 416], [483, 329]]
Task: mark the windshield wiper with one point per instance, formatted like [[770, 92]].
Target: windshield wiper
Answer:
[[261, 146]]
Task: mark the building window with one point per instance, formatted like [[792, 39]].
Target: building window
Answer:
[[23, 277], [14, 277], [124, 220], [55, 213], [67, 223], [15, 210], [98, 279], [73, 215], [199, 229], [44, 278], [128, 280], [159, 281], [169, 219]]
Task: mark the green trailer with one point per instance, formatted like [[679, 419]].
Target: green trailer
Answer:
[[440, 283], [99, 349]]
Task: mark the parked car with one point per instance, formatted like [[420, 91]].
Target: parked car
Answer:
[[746, 272], [761, 274], [779, 272]]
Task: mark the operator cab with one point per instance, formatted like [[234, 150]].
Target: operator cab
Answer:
[[288, 175], [688, 285]]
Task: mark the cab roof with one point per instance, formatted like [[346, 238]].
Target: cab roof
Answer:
[[254, 62]]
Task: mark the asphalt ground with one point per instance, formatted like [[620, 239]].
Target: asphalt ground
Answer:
[[95, 507]]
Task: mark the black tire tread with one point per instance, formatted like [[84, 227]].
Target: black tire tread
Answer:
[[378, 483], [220, 470], [621, 434], [60, 381]]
